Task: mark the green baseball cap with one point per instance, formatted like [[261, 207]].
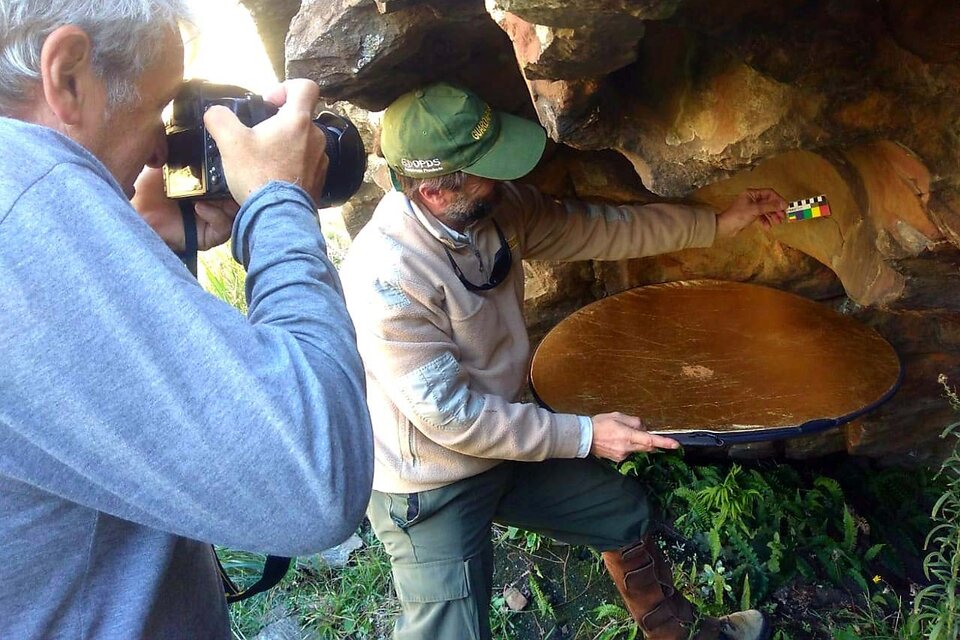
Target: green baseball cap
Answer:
[[440, 129]]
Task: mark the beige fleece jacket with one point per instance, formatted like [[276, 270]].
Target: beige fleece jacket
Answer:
[[445, 365]]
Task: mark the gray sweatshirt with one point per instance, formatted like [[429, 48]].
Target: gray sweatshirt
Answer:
[[142, 419]]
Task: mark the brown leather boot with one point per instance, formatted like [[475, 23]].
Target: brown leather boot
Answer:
[[645, 581]]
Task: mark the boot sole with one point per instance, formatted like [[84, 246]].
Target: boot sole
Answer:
[[766, 631]]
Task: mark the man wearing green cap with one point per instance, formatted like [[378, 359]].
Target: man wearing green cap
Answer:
[[435, 286]]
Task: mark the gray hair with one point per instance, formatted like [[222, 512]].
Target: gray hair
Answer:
[[127, 36], [411, 186]]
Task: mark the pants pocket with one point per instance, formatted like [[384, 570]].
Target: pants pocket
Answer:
[[438, 602], [431, 581], [405, 509]]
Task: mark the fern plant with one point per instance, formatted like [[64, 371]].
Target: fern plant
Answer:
[[615, 623], [540, 597]]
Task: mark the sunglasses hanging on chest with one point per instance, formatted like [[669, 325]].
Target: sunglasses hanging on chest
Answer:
[[502, 263]]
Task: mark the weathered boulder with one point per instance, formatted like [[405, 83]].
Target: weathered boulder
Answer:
[[359, 55], [698, 99]]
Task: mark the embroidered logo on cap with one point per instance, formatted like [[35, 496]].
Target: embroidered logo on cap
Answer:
[[484, 125], [421, 166]]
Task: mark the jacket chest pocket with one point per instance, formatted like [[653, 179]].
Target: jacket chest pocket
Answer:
[[474, 326]]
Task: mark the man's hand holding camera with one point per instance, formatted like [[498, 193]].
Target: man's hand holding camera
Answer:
[[214, 217], [286, 147]]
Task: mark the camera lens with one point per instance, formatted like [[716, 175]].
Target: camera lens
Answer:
[[348, 159]]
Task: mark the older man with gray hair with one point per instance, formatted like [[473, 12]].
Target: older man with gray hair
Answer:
[[141, 419]]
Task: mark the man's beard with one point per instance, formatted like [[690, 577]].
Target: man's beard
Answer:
[[466, 211]]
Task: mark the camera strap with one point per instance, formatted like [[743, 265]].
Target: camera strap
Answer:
[[190, 244], [274, 568]]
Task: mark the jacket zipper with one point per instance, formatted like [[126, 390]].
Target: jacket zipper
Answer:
[[476, 252]]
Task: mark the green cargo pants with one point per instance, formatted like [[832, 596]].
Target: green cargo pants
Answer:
[[440, 545]]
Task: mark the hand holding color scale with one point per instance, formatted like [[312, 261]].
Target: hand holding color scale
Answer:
[[808, 208]]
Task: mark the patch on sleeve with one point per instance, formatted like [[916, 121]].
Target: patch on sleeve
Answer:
[[438, 397], [385, 266], [390, 294], [609, 213]]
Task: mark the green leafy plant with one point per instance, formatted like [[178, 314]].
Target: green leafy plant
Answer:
[[540, 597], [614, 623], [224, 277], [352, 602], [727, 500], [348, 603], [936, 609], [249, 616], [880, 615], [750, 531], [712, 581], [501, 618], [529, 541]]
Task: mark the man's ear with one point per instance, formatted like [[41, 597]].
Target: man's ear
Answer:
[[434, 198], [66, 68]]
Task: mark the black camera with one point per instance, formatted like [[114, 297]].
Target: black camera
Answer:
[[194, 169]]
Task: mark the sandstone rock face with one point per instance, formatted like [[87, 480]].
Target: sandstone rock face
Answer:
[[699, 99]]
